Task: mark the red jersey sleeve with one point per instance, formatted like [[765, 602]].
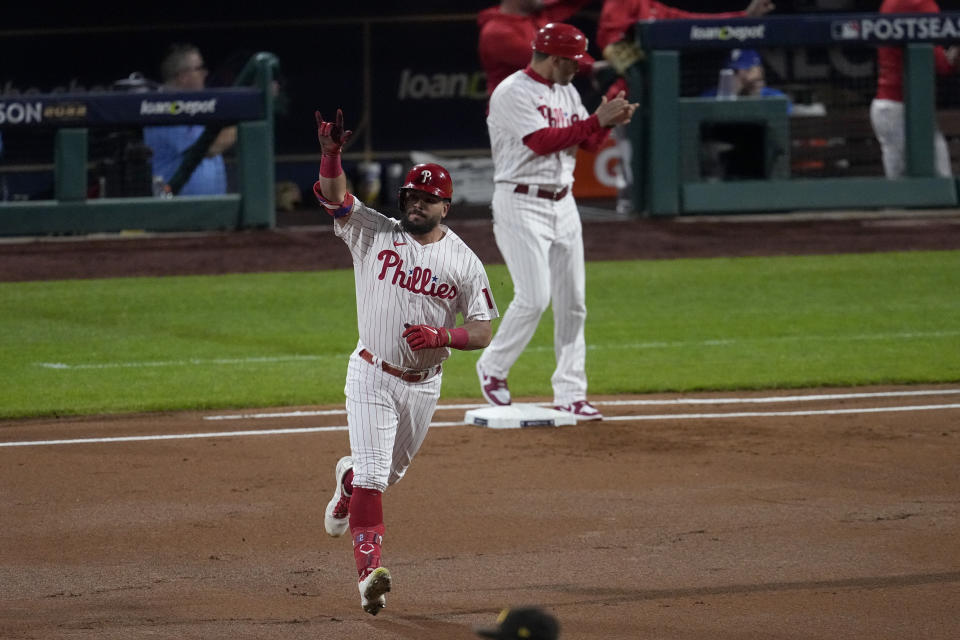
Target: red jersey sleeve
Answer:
[[660, 11], [560, 10], [503, 48], [617, 16]]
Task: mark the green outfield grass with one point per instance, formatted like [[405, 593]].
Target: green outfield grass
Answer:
[[147, 344]]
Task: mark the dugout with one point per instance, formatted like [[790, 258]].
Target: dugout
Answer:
[[670, 176], [79, 118]]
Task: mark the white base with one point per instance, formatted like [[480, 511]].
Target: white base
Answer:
[[517, 416]]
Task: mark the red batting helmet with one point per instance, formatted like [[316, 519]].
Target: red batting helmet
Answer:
[[560, 39], [431, 178]]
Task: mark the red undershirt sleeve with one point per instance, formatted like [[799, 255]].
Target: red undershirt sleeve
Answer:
[[585, 133], [596, 140]]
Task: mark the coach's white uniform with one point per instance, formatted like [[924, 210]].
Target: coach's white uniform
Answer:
[[540, 238], [398, 282]]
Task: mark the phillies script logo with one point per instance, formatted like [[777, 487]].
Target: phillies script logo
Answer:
[[557, 117], [415, 280]]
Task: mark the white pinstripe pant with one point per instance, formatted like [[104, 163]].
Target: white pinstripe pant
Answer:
[[887, 119], [542, 243], [388, 420]]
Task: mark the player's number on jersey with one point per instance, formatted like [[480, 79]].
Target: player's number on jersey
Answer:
[[486, 294]]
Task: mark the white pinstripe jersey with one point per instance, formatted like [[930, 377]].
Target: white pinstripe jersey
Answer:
[[519, 106], [400, 281]]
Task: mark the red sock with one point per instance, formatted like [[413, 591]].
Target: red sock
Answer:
[[348, 482], [366, 527]]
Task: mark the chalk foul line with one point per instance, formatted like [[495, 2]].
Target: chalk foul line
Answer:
[[304, 430], [637, 402]]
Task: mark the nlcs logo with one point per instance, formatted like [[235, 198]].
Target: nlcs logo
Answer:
[[425, 176]]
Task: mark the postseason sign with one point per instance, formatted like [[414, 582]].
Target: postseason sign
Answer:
[[779, 31], [149, 108], [899, 28]]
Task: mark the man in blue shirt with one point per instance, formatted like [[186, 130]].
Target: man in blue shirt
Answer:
[[183, 69], [749, 79]]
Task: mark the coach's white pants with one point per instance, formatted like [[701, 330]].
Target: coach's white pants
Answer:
[[542, 243], [388, 420], [887, 118]]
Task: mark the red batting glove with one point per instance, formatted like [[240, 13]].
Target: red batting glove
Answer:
[[422, 336], [332, 135]]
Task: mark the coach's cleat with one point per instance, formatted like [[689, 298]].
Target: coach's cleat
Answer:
[[582, 409], [494, 389], [373, 590], [336, 518]]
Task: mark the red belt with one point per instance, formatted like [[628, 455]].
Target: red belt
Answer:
[[541, 193], [407, 375]]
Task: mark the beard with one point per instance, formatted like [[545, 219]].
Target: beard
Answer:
[[417, 228]]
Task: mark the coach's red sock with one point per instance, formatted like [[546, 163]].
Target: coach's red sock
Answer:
[[366, 527]]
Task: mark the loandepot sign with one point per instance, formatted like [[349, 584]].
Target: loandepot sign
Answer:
[[931, 27], [727, 32], [177, 107]]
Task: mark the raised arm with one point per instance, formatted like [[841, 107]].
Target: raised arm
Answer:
[[331, 187]]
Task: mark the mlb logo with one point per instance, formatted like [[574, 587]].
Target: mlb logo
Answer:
[[846, 30]]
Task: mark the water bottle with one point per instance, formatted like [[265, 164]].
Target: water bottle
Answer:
[[725, 85]]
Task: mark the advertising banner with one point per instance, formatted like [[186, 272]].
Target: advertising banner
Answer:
[[598, 174], [429, 95], [783, 31], [153, 108]]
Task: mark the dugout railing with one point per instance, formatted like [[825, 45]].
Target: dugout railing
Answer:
[[249, 105], [667, 137]]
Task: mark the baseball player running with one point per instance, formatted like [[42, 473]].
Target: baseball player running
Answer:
[[413, 277], [536, 123]]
